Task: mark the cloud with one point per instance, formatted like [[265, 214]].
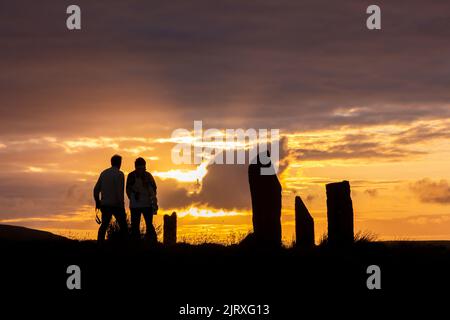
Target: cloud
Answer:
[[42, 195], [356, 150], [49, 175], [269, 64], [384, 142], [224, 186], [424, 133], [371, 192], [171, 194], [431, 191]]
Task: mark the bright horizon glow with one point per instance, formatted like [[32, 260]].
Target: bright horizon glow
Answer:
[[195, 175]]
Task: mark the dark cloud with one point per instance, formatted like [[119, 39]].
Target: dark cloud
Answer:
[[25, 195], [361, 150], [431, 191], [171, 194], [225, 186], [371, 192], [423, 133], [284, 64]]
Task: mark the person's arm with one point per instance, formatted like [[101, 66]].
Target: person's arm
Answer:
[[152, 183], [152, 187], [97, 190], [130, 183], [121, 189]]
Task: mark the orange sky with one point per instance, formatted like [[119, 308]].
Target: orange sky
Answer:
[[399, 191]]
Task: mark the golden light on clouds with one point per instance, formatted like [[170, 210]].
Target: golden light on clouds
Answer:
[[209, 212], [384, 164], [195, 175], [34, 169]]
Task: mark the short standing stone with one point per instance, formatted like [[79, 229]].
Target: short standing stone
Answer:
[[170, 229], [304, 225], [339, 213]]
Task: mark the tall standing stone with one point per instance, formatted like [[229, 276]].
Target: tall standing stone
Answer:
[[304, 225], [170, 229], [339, 213], [265, 192]]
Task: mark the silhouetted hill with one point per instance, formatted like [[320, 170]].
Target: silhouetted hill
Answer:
[[16, 233]]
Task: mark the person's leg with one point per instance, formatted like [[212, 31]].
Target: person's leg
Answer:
[[121, 218], [150, 232], [106, 218], [135, 223]]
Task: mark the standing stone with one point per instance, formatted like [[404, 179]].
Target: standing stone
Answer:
[[170, 229], [304, 225], [265, 192], [339, 213]]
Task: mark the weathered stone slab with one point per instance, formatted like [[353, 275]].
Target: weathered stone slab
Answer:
[[265, 192], [340, 214]]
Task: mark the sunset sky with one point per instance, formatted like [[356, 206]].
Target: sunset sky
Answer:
[[371, 107]]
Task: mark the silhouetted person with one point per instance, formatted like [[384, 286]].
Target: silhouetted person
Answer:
[[141, 190], [265, 192], [109, 198]]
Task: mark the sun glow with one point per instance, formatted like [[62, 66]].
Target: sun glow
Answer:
[[209, 213], [195, 175]]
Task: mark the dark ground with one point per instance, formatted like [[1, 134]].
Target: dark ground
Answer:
[[160, 280]]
